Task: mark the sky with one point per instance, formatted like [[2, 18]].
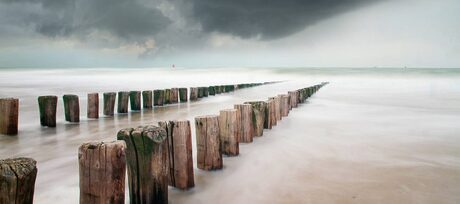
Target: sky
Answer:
[[223, 33]]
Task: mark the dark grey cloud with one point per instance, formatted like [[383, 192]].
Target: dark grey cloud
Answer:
[[269, 19]]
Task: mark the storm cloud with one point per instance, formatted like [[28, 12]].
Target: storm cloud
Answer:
[[150, 27], [269, 19]]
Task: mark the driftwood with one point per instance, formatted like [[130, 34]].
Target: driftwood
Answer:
[[102, 172], [245, 127], [183, 94], [147, 159], [135, 100], [258, 116], [158, 97], [9, 114], [209, 153], [123, 100], [93, 105], [228, 132], [147, 99], [47, 106], [109, 103], [180, 154], [17, 180]]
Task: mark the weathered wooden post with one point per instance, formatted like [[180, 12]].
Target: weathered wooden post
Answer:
[[158, 97], [211, 90], [17, 180], [109, 103], [258, 116], [193, 93], [205, 91], [200, 92], [174, 96], [228, 132], [147, 99], [245, 127], [293, 99], [9, 115], [71, 108], [93, 105], [123, 100], [47, 106], [209, 153], [284, 104], [217, 89], [102, 168], [167, 98], [277, 100], [147, 159], [183, 94], [269, 114], [180, 154], [135, 100]]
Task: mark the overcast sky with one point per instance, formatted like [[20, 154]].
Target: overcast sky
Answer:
[[229, 33]]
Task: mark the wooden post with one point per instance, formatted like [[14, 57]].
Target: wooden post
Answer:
[[205, 91], [284, 104], [180, 153], [158, 97], [71, 108], [47, 106], [193, 93], [17, 180], [174, 96], [135, 100], [269, 114], [9, 114], [147, 159], [211, 90], [183, 94], [228, 132], [258, 116], [147, 99], [123, 100], [209, 153], [277, 100], [245, 125], [293, 99], [109, 103], [167, 98], [200, 92], [217, 90], [102, 172], [93, 105]]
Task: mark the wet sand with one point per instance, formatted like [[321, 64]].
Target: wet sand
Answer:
[[367, 137]]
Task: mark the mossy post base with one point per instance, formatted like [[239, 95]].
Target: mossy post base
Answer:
[[109, 103], [180, 154], [209, 154], [17, 180], [158, 97], [102, 172], [183, 95], [244, 123], [258, 116], [9, 115], [147, 159], [228, 127], [93, 105], [123, 101], [135, 100], [147, 99]]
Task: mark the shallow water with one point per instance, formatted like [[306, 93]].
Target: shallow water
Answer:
[[370, 136]]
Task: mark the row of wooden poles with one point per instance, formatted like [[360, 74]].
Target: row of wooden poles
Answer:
[[156, 156], [9, 107]]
